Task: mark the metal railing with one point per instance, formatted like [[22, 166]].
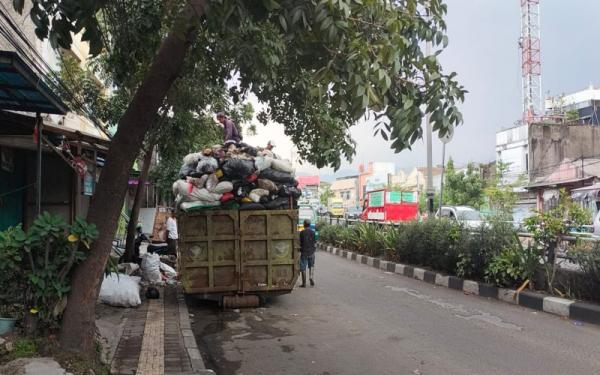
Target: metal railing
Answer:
[[573, 237]]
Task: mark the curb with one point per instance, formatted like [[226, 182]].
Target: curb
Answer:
[[580, 311], [188, 337]]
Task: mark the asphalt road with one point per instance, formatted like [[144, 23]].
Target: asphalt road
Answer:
[[359, 320]]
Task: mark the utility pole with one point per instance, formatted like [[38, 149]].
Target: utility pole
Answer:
[[430, 191]]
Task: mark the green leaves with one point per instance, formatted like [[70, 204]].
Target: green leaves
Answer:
[[68, 17], [18, 5], [34, 266]]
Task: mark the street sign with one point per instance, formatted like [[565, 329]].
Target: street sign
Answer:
[[448, 137]]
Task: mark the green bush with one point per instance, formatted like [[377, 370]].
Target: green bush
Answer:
[[367, 239], [443, 245], [38, 263], [589, 261], [513, 265], [476, 249]]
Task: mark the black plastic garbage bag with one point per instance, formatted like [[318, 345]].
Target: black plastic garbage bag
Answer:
[[278, 204], [251, 206], [207, 164], [277, 176], [238, 168], [289, 191], [186, 170], [250, 150]]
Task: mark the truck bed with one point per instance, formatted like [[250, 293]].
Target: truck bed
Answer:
[[226, 252]]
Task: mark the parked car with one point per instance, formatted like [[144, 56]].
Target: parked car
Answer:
[[466, 215], [353, 213]]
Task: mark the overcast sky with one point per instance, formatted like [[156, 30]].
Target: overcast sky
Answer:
[[483, 50]]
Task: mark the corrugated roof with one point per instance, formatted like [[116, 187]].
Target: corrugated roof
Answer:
[[22, 90]]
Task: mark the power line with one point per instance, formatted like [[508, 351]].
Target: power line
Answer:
[[39, 64]]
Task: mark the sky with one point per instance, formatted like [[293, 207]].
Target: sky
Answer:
[[483, 50]]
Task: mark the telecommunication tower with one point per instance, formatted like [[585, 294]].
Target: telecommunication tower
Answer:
[[529, 44]]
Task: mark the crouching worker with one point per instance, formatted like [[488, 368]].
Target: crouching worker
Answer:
[[307, 253]]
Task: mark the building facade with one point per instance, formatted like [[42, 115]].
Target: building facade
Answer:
[[346, 189], [373, 176], [72, 148], [562, 157], [584, 104], [512, 148]]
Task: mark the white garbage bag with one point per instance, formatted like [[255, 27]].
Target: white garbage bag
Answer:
[[256, 194], [262, 162], [192, 159], [282, 166], [151, 267], [169, 271], [120, 290], [223, 187]]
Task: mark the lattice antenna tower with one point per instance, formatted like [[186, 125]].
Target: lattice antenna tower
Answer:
[[531, 64]]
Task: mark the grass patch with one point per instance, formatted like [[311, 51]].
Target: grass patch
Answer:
[[26, 347]]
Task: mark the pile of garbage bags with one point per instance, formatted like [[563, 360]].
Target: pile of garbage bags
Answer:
[[237, 177]]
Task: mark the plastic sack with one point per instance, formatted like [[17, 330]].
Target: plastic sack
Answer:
[[169, 271], [277, 176], [211, 182], [257, 194], [252, 178], [186, 170], [262, 163], [192, 159], [189, 193], [278, 204], [120, 290], [223, 187], [226, 197], [207, 164], [238, 168], [269, 185], [128, 268], [290, 191], [282, 166], [250, 150], [151, 267], [198, 182]]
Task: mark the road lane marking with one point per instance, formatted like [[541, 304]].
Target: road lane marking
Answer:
[[458, 311]]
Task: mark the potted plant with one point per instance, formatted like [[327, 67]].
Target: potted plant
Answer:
[[9, 315]]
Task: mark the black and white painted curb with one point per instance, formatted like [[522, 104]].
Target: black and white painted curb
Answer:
[[579, 311], [188, 337]]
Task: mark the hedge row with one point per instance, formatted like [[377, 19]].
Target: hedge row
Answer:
[[491, 253]]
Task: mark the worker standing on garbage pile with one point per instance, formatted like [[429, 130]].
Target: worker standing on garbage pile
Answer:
[[307, 253], [230, 131], [172, 235]]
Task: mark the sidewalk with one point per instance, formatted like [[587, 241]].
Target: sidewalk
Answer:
[[157, 339]]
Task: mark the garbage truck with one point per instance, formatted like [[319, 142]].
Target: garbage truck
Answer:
[[238, 257]]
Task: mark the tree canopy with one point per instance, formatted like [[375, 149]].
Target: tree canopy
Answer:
[[464, 187], [320, 66]]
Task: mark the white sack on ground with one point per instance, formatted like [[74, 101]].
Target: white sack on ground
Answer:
[[120, 290], [151, 267]]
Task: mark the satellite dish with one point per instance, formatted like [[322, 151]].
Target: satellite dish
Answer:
[[448, 137]]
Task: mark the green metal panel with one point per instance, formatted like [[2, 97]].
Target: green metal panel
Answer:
[[238, 251], [209, 253], [269, 250]]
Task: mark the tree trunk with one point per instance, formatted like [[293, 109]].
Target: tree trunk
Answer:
[[77, 333], [135, 209]]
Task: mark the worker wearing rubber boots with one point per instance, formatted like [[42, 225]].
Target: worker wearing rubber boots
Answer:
[[307, 253]]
